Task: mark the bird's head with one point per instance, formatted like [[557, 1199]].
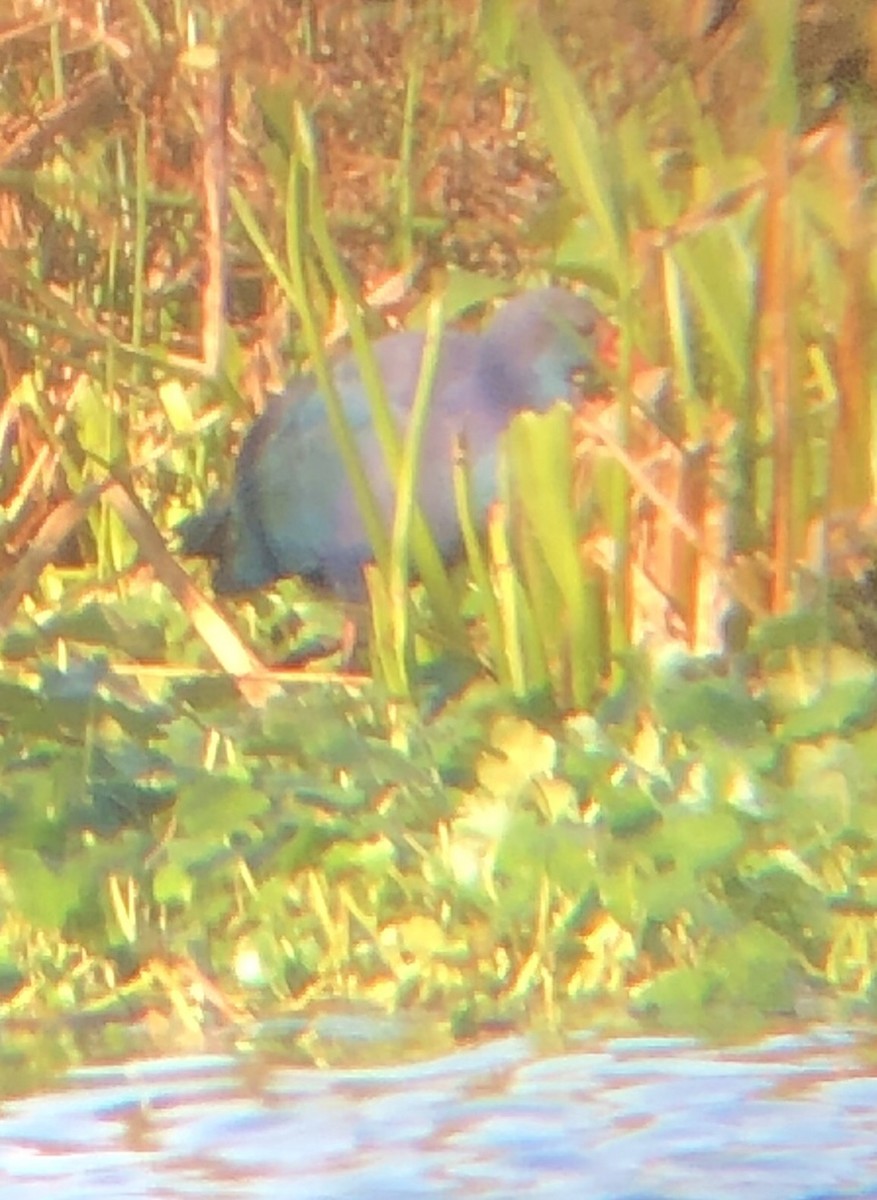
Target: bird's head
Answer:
[[542, 343]]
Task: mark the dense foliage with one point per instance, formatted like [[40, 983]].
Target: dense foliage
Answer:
[[621, 759]]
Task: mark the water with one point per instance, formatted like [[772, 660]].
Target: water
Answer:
[[792, 1118]]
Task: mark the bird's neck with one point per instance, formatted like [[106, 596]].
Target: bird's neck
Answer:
[[515, 380]]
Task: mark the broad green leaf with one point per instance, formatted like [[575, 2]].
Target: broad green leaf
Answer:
[[215, 807], [703, 841], [43, 894], [172, 884], [627, 809], [842, 708]]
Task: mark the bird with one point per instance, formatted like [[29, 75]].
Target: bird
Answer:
[[291, 510]]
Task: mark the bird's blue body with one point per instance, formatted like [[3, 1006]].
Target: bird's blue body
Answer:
[[292, 510]]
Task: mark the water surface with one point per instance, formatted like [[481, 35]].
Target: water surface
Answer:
[[791, 1118]]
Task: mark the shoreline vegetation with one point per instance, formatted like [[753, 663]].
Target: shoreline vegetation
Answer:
[[615, 767]]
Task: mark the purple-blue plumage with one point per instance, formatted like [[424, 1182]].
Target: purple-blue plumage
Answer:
[[292, 510]]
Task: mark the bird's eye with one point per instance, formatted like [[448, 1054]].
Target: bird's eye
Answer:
[[585, 377]]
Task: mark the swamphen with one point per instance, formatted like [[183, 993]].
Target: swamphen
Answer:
[[292, 511]]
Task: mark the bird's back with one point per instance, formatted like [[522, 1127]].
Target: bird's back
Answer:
[[293, 511], [293, 505]]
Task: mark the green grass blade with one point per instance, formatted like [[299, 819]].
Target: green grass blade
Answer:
[[577, 145], [478, 568], [407, 484], [429, 561], [539, 447]]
